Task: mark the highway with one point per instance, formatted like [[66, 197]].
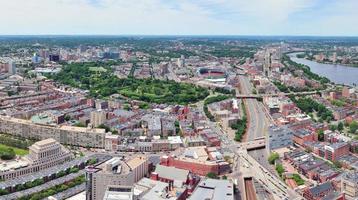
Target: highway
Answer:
[[254, 163], [258, 121], [276, 94]]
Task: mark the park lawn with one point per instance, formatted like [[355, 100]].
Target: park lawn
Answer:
[[20, 152]]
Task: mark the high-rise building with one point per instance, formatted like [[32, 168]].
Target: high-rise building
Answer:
[[267, 64], [54, 57], [36, 59], [181, 62], [44, 53], [98, 117], [12, 68], [117, 171], [349, 184], [334, 57]]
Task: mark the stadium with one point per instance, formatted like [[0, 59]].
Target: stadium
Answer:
[[210, 74]]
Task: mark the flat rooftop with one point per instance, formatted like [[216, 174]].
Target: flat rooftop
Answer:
[[213, 189], [66, 128], [12, 165]]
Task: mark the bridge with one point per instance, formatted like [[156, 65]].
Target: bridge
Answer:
[[258, 143]]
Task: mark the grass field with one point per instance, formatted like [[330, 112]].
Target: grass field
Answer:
[[20, 152]]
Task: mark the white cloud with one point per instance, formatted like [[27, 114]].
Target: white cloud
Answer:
[[166, 16]]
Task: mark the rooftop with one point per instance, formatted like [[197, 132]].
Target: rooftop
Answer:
[[45, 142], [351, 176], [172, 173], [13, 165], [213, 189], [118, 193], [158, 192], [316, 191]]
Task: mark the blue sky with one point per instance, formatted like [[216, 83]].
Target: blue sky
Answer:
[[180, 17]]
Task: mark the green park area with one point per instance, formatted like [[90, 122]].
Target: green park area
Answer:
[[8, 153], [104, 84]]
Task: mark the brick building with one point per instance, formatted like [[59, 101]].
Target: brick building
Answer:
[[198, 160], [336, 150], [303, 135]]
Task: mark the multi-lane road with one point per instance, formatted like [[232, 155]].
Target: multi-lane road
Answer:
[[256, 160], [258, 121]]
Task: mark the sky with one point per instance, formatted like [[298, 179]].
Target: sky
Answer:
[[179, 17]]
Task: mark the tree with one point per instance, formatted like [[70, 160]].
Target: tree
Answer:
[[67, 118], [212, 175], [298, 179], [3, 192], [320, 135], [273, 157], [280, 169], [337, 164], [107, 128], [92, 161], [340, 126], [60, 174], [7, 154], [74, 170], [353, 127], [332, 127]]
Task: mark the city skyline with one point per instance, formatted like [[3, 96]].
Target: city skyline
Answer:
[[157, 17]]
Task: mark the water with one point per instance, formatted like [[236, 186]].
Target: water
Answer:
[[339, 74]]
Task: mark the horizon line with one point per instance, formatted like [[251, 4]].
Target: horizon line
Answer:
[[174, 35]]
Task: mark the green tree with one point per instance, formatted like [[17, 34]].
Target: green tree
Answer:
[[60, 174], [273, 157], [74, 170], [280, 169], [3, 192], [353, 127], [337, 164], [212, 175], [340, 126], [298, 179], [92, 161], [333, 127], [67, 118], [107, 128], [7, 154], [320, 135]]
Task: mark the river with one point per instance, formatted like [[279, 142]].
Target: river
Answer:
[[339, 74]]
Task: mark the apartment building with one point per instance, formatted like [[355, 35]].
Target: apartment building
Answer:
[[349, 185], [78, 136]]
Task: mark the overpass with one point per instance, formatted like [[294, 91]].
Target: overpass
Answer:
[[258, 143], [250, 168]]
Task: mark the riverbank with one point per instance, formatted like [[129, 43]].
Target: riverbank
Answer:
[[327, 62], [338, 74]]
